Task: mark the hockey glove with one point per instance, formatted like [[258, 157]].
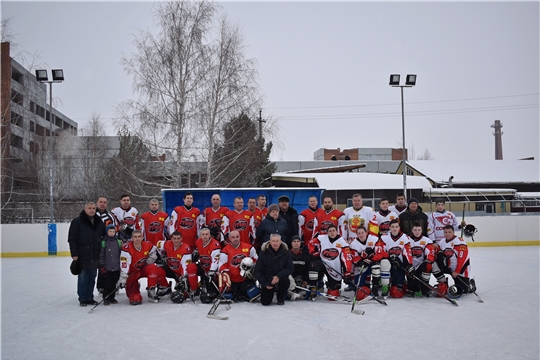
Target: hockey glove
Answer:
[[195, 256], [409, 269], [102, 269], [122, 280]]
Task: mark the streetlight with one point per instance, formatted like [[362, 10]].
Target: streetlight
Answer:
[[410, 81], [58, 76]]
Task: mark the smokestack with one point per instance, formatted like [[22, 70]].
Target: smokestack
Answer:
[[498, 139]]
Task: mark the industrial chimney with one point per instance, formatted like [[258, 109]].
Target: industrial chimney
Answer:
[[498, 139]]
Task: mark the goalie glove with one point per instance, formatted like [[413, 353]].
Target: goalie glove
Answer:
[[224, 281], [122, 280]]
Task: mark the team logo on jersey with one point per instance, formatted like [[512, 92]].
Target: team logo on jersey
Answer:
[[370, 244], [422, 242], [187, 223], [401, 242], [330, 254], [417, 251], [123, 259], [174, 263], [240, 224], [161, 219], [309, 225], [129, 221], [237, 259], [193, 215], [247, 216], [395, 251], [179, 256], [356, 222], [333, 218], [384, 227], [325, 225], [338, 245], [154, 227], [205, 261], [214, 223], [444, 219]]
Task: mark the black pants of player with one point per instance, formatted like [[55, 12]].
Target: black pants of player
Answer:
[[239, 289], [267, 295], [397, 275], [109, 279], [319, 267]]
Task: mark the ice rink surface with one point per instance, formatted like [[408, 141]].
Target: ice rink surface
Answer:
[[42, 319]]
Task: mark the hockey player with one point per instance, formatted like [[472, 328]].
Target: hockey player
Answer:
[[397, 246], [453, 259], [208, 250], [307, 220], [332, 257], [439, 219], [384, 216], [261, 205], [186, 220], [423, 257], [329, 216], [358, 215], [255, 213], [363, 252], [176, 257], [137, 260], [240, 220], [212, 217], [155, 223], [230, 274], [400, 206], [127, 218], [301, 260]]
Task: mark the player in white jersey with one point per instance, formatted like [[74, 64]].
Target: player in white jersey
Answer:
[[423, 257], [384, 216], [401, 204], [127, 218], [331, 254], [363, 248], [439, 219], [357, 216]]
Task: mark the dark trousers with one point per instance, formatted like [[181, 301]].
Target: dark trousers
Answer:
[[110, 278], [239, 289], [85, 284], [267, 295]]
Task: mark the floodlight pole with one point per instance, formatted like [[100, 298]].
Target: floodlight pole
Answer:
[[51, 196], [403, 138]]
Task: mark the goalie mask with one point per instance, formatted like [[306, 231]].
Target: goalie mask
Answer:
[[469, 230], [246, 267]]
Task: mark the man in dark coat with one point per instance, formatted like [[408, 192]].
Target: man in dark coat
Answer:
[[413, 214], [272, 270], [84, 237], [271, 224], [290, 215]]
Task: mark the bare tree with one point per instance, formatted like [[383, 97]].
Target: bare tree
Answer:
[[426, 155]]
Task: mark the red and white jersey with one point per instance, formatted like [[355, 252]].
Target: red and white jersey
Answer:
[[155, 227], [383, 220], [187, 222], [333, 254], [213, 218], [209, 254], [436, 223], [397, 209], [231, 257], [325, 219], [132, 260], [264, 211], [128, 217], [365, 217], [399, 245], [257, 217], [177, 259], [457, 253], [241, 221], [307, 223], [421, 249]]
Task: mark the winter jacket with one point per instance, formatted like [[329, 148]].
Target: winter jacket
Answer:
[[273, 263], [85, 240], [291, 217], [270, 226], [109, 256], [407, 219]]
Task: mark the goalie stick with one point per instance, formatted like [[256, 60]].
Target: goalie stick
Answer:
[[470, 288], [332, 297]]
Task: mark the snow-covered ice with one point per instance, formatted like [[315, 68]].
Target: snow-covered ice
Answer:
[[42, 319]]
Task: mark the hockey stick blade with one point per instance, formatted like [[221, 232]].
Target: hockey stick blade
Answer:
[[216, 317], [358, 312], [335, 298]]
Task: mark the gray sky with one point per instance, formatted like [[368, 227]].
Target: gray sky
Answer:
[[324, 69]]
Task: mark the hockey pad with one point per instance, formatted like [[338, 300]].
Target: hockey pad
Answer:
[[193, 279], [122, 280], [253, 291], [362, 293], [443, 288], [333, 292], [396, 292], [292, 283], [385, 271]]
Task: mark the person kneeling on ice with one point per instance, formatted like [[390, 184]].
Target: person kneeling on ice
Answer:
[[453, 259], [137, 260], [273, 269], [301, 260], [423, 257], [232, 276], [177, 264], [333, 258], [365, 268]]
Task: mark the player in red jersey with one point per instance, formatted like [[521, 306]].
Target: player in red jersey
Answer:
[[229, 266], [127, 218], [239, 220], [186, 220], [155, 223], [213, 216], [307, 220], [137, 260], [329, 216], [208, 251], [256, 213], [261, 205]]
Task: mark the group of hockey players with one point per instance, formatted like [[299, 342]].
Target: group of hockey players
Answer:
[[212, 253]]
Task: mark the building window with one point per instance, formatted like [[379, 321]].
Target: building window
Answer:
[[489, 208], [17, 119], [32, 107], [16, 97], [66, 126], [32, 126], [48, 132], [16, 141], [17, 76], [40, 130], [47, 115], [58, 121], [40, 111], [34, 147]]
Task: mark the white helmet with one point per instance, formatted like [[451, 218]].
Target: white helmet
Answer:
[[246, 266]]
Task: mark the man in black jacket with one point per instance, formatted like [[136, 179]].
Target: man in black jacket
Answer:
[[84, 237], [272, 270], [290, 215], [413, 214], [271, 224]]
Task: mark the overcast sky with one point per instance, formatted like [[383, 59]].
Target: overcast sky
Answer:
[[324, 69]]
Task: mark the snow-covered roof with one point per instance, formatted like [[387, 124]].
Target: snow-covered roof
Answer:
[[359, 180], [479, 171]]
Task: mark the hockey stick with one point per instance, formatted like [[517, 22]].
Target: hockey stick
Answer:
[[177, 279], [469, 287], [437, 291], [332, 297], [356, 290], [211, 313], [112, 292], [462, 221]]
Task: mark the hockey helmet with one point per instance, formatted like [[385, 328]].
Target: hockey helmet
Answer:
[[177, 297], [469, 230], [246, 266], [454, 292]]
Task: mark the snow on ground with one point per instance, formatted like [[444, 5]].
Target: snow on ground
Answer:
[[42, 319]]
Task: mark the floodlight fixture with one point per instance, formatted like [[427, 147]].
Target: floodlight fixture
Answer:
[[394, 80], [41, 75], [410, 80], [58, 75]]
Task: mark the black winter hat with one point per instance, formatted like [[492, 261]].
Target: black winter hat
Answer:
[[412, 200], [74, 267]]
